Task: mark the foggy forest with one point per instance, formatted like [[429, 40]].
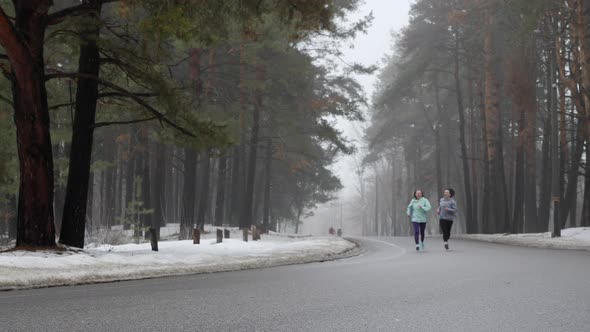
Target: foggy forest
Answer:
[[132, 115]]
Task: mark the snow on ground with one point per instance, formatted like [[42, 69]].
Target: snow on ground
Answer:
[[571, 238], [102, 263]]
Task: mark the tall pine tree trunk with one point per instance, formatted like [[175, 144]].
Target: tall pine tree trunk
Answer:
[[438, 152], [220, 199], [189, 193], [144, 156], [159, 201], [267, 185], [496, 179], [247, 209], [204, 197], [237, 188], [23, 45], [585, 221], [468, 193], [518, 208], [544, 210], [74, 216], [568, 205]]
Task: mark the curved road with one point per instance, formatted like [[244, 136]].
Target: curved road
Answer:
[[475, 287]]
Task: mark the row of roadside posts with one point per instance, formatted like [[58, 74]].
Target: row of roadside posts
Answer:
[[221, 234]]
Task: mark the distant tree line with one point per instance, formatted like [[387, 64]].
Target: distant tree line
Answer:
[[490, 98]]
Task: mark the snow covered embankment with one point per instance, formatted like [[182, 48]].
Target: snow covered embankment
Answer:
[[571, 238], [23, 269]]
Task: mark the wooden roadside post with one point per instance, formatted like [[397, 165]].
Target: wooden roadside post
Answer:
[[196, 236], [226, 233], [245, 234], [255, 233], [154, 239], [219, 235]]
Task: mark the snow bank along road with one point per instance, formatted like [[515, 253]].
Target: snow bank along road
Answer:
[[22, 269]]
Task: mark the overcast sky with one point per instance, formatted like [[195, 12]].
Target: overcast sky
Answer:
[[389, 16], [369, 49]]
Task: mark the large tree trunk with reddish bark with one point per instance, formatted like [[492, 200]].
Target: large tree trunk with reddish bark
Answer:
[[23, 44]]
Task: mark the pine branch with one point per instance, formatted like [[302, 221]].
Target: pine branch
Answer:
[[6, 100], [57, 106], [118, 94], [138, 100], [79, 10], [104, 124]]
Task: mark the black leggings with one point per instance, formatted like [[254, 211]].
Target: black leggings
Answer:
[[446, 226]]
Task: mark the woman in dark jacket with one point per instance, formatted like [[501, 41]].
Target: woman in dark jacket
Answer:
[[447, 209]]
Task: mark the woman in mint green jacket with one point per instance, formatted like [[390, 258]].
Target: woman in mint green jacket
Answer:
[[417, 211]]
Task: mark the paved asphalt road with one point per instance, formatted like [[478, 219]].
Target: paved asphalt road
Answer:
[[474, 287]]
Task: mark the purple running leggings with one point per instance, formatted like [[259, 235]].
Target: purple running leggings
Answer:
[[419, 228]]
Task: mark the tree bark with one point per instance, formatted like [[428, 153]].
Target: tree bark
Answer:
[[518, 208], [246, 220], [189, 194], [159, 201], [544, 210], [569, 203], [267, 185], [144, 156], [237, 188], [23, 45], [220, 199], [438, 149], [463, 141], [496, 184], [585, 221], [74, 216], [204, 197], [376, 204]]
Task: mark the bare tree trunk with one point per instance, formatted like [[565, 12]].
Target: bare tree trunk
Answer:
[[129, 175], [468, 194], [568, 206], [545, 187], [74, 216], [189, 194], [518, 208], [267, 185], [159, 201], [486, 223], [438, 149], [496, 178], [220, 199], [23, 45], [544, 210], [376, 203], [204, 197], [237, 188], [585, 221], [247, 212], [144, 157]]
